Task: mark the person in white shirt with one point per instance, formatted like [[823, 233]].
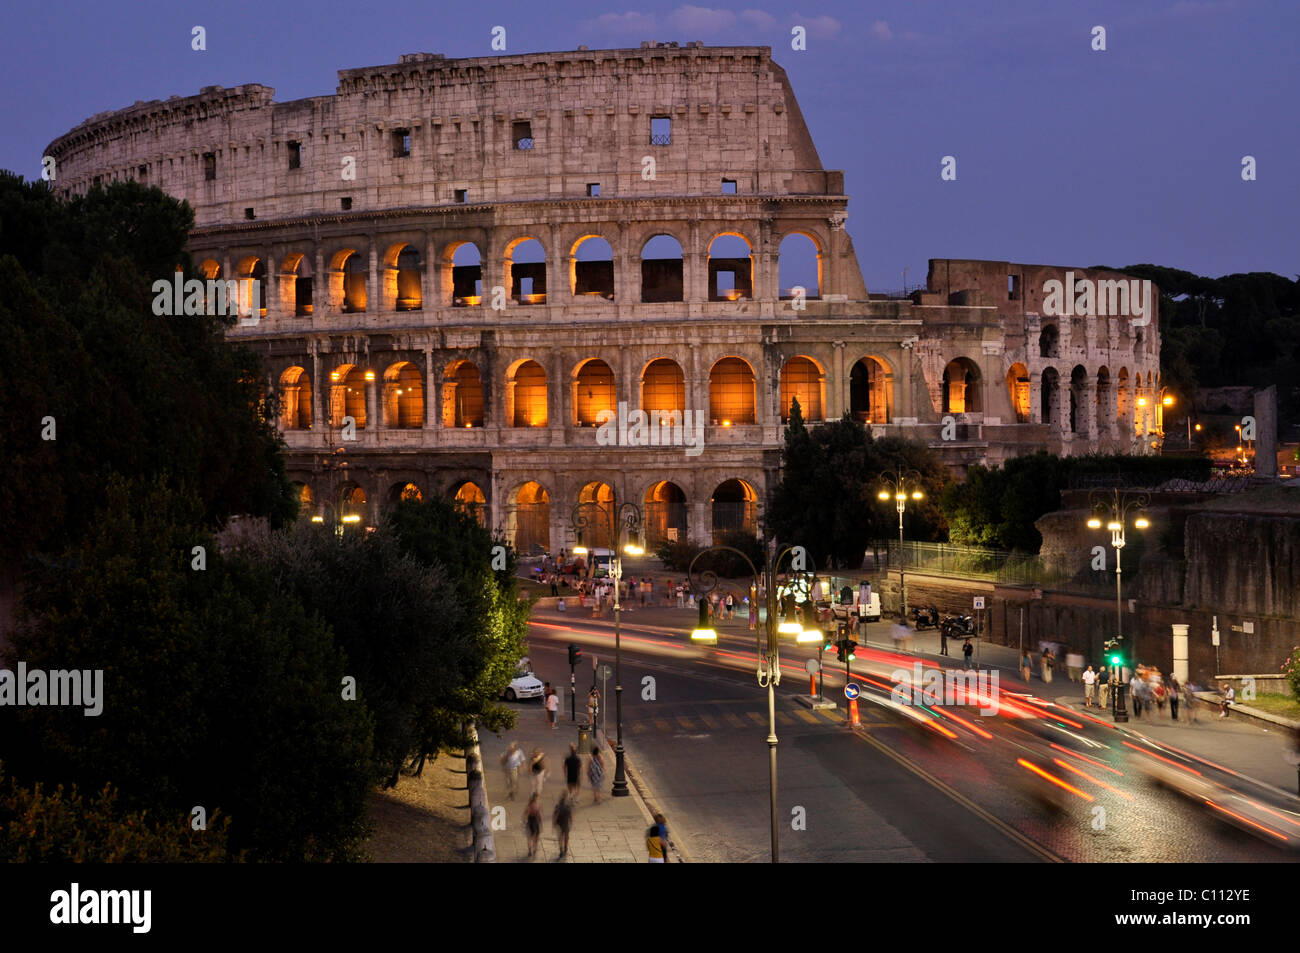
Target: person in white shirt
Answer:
[[1089, 686]]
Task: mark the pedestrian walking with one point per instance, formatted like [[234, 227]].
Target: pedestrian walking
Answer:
[[1103, 688], [1074, 665], [1189, 702], [552, 705], [1135, 689], [1046, 663], [563, 821], [943, 641], [533, 823], [1089, 686], [539, 767], [657, 841], [511, 759], [1026, 666], [900, 633], [555, 584], [968, 650], [753, 615], [1175, 692], [731, 607], [596, 772], [572, 770], [593, 707]]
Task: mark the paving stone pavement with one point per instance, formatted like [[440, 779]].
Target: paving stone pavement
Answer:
[[612, 831]]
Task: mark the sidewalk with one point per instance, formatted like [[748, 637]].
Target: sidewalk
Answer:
[[612, 831], [1236, 742]]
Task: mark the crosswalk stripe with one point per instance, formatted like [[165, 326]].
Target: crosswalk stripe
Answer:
[[710, 723], [807, 716], [831, 714], [756, 718], [662, 724], [734, 720], [686, 723]]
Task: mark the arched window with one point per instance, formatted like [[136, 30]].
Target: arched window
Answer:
[[531, 520], [800, 266], [529, 394], [1049, 341], [403, 396], [871, 391], [348, 396], [526, 271], [734, 509], [409, 280], [593, 268], [665, 514], [961, 387], [466, 277], [661, 270], [594, 392], [731, 392], [354, 283], [1018, 391], [731, 269], [295, 399], [801, 380], [468, 498], [663, 389], [462, 396]]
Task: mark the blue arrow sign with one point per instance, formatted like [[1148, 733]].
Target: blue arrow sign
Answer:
[[851, 690]]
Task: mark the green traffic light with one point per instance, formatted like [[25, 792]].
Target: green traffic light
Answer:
[[1114, 660]]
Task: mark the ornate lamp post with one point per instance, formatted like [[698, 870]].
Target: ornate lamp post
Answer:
[[1116, 510], [898, 482], [704, 581], [624, 519]]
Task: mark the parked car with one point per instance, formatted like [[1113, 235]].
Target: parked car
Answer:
[[525, 684]]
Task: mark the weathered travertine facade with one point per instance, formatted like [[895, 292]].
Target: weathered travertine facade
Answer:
[[471, 259]]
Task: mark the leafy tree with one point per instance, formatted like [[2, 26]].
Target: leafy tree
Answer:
[[218, 690], [826, 498]]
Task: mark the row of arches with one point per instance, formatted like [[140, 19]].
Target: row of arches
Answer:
[[399, 394], [523, 269], [733, 507]]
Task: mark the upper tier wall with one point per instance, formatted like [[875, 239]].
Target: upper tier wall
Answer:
[[732, 115]]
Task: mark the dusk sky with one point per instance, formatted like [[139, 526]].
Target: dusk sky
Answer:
[[1064, 156]]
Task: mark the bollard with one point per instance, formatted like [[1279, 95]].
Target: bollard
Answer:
[[853, 713]]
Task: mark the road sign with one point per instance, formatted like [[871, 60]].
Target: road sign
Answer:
[[851, 690], [979, 602], [812, 666]]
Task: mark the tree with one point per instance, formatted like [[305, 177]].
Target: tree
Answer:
[[218, 690], [826, 498]]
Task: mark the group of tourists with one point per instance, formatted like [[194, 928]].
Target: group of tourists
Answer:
[[539, 769]]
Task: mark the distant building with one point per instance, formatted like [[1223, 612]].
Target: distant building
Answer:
[[474, 261]]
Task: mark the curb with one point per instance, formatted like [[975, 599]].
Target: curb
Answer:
[[640, 792], [480, 821]]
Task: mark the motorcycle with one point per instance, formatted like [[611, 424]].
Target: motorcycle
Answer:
[[925, 618], [956, 626]]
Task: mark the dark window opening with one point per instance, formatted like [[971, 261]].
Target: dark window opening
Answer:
[[295, 155], [728, 186], [522, 134], [661, 279], [661, 131], [345, 204], [462, 196], [410, 292], [730, 279], [209, 166], [142, 173], [95, 183], [249, 214], [594, 278], [401, 143], [593, 190], [466, 282], [302, 296], [1013, 287], [355, 273], [528, 282]]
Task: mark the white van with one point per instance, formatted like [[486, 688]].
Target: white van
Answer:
[[853, 608]]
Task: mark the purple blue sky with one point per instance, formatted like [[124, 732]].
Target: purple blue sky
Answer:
[[1065, 156]]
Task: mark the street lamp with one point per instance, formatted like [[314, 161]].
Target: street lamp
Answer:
[[897, 481], [705, 581], [622, 519], [1116, 511]]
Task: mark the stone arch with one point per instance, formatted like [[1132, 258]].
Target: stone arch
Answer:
[[1018, 391], [525, 270], [1124, 403], [734, 506], [403, 399], [962, 388], [404, 490], [462, 395], [468, 497], [250, 273], [665, 508], [1078, 400], [803, 379], [306, 500], [1049, 397], [591, 267], [871, 390], [799, 265], [1049, 341], [403, 277], [663, 387], [352, 504], [462, 274], [295, 399], [348, 395], [661, 269], [594, 391], [296, 284], [526, 394], [348, 273], [1104, 400], [732, 388], [528, 518], [731, 267]]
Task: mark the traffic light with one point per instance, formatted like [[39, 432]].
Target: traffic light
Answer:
[[1114, 649], [850, 648], [827, 640], [839, 650], [575, 654]]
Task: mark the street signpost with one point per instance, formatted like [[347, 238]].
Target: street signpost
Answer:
[[852, 690]]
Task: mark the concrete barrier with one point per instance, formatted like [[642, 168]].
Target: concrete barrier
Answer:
[[480, 817]]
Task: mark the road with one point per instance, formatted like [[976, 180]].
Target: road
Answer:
[[939, 783]]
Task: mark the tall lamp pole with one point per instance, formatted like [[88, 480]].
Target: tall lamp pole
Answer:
[[704, 581], [1116, 510], [898, 481], [624, 519]]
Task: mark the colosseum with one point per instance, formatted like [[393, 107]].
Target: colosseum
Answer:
[[466, 266]]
